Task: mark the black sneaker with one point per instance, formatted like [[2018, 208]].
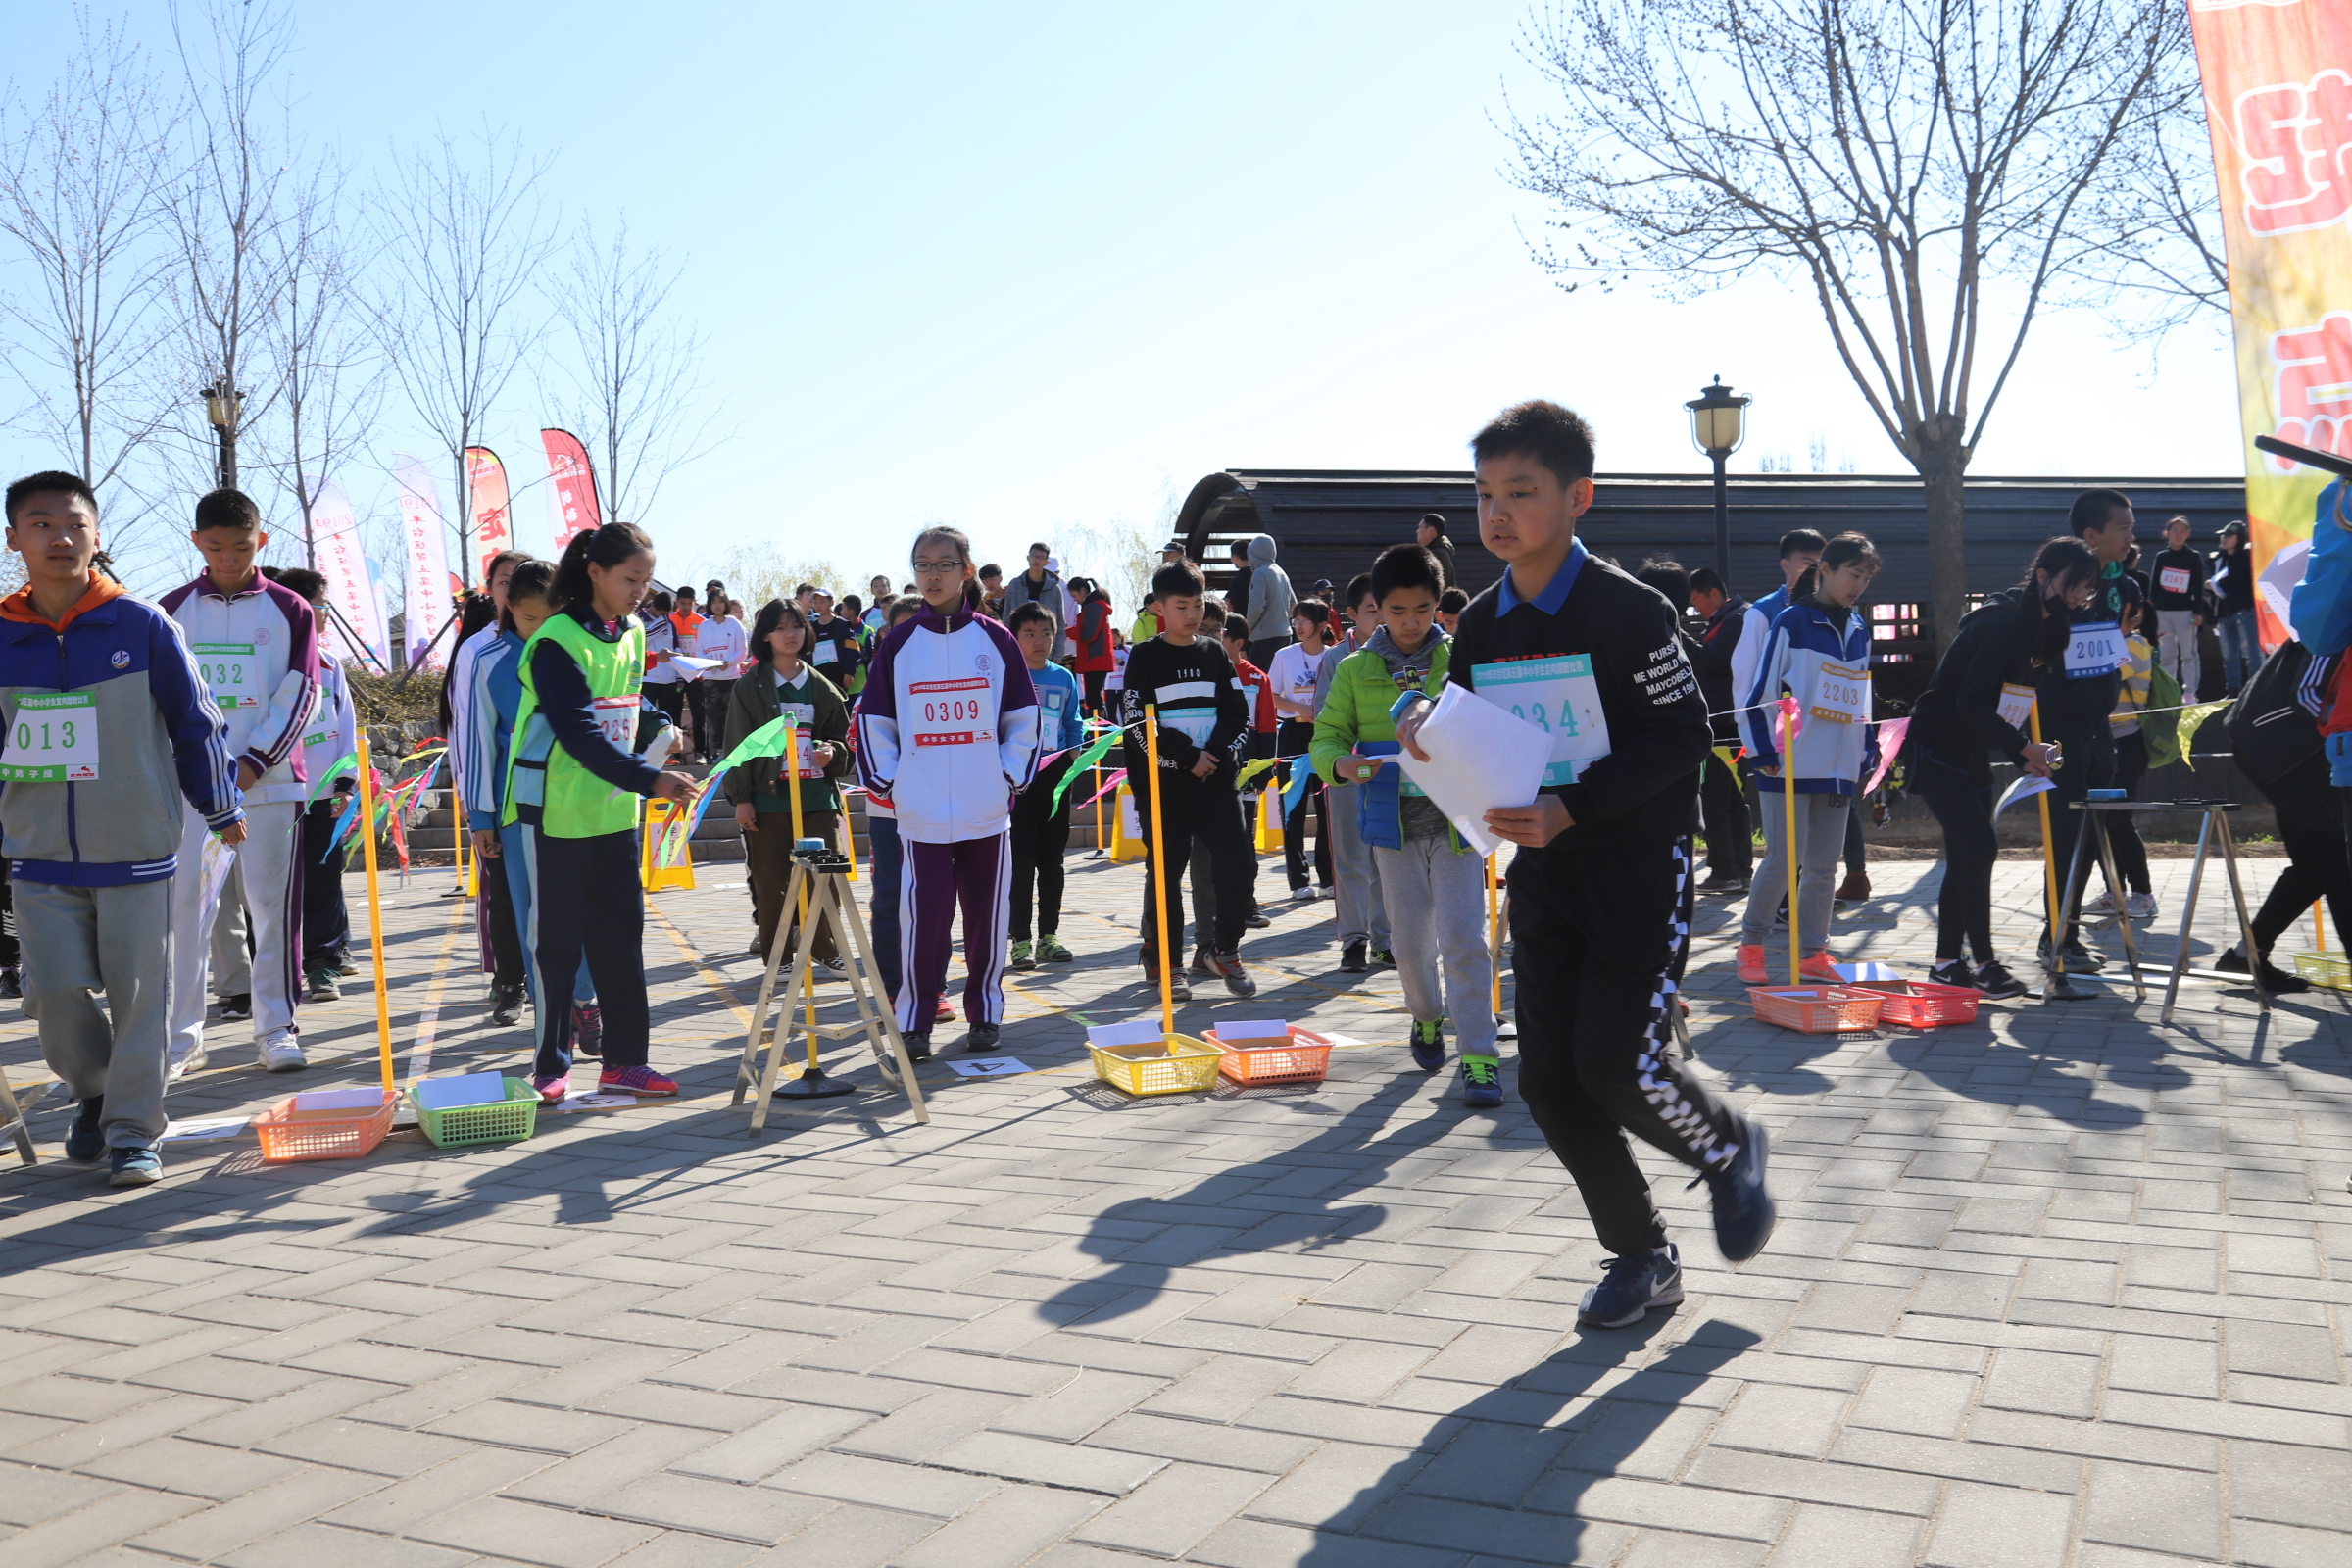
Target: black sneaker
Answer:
[[323, 985], [1745, 1212], [588, 1031], [1382, 959], [2277, 981], [1997, 981], [1720, 883], [12, 982], [1631, 1288], [1352, 961], [86, 1140], [983, 1036], [505, 1006], [918, 1045], [1953, 972], [1179, 988], [1256, 921], [1236, 979], [237, 1007], [2079, 960], [1203, 966]]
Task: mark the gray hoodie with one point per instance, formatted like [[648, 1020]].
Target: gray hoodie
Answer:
[[1270, 598]]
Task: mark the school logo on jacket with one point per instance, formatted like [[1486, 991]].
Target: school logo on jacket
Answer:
[[261, 636], [120, 659]]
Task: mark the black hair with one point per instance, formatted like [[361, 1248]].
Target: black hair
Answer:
[[300, 580], [661, 602], [992, 570], [715, 583], [1706, 580], [1436, 520], [50, 481], [901, 607], [1028, 613], [531, 580], [1796, 539], [490, 567], [1212, 613], [1314, 610], [1557, 438], [2093, 509], [964, 554], [1668, 577], [1359, 589], [1453, 601], [2183, 521], [804, 590], [773, 615], [226, 509], [1235, 629], [1036, 545], [851, 606], [1843, 551], [607, 547], [1404, 566], [2067, 559], [1179, 579]]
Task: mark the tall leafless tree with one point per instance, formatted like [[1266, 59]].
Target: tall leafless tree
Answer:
[[80, 180], [636, 394], [332, 370], [2156, 262], [461, 235], [1926, 168]]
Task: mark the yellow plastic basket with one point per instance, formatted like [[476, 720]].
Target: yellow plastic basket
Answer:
[[2329, 968], [1176, 1064]]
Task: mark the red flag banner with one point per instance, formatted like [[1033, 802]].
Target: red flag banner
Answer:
[[487, 478], [2277, 79], [571, 487]]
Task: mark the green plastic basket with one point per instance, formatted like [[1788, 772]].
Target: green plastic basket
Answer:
[[514, 1117]]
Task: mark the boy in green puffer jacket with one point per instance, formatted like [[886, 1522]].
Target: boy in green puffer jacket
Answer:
[[1433, 886]]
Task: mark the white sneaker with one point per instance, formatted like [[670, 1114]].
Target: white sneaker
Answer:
[[2103, 906], [181, 1066], [1306, 894], [2140, 906], [282, 1053]]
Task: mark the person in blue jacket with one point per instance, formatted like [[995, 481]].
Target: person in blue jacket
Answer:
[[1041, 824]]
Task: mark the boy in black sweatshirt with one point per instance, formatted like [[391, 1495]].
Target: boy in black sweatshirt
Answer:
[[1601, 888], [1203, 729]]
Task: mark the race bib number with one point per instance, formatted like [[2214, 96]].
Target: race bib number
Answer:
[[804, 720], [2173, 579], [2094, 649], [616, 721], [949, 713], [1250, 700], [825, 653], [54, 740], [1559, 695], [2016, 704], [231, 672], [1841, 695], [1194, 724]]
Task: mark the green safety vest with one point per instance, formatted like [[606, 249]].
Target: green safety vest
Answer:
[[570, 801]]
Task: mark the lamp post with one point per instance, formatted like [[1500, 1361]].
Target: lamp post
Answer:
[[225, 406], [1717, 425]]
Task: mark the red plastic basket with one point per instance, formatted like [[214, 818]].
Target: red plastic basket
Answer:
[[1923, 1004], [1301, 1060], [1817, 1010], [343, 1133]]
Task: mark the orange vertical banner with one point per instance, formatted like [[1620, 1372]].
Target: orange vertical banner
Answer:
[[2278, 82], [493, 529]]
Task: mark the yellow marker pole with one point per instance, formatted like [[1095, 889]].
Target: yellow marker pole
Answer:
[[1102, 839], [456, 834], [848, 830], [1495, 932], [791, 771], [1160, 873], [2049, 867], [375, 913], [2319, 926], [1789, 839]]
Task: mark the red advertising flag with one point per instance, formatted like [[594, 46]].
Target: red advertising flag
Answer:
[[571, 487], [492, 532]]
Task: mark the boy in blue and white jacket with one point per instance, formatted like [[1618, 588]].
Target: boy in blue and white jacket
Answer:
[[948, 732], [1818, 651], [257, 647], [110, 731]]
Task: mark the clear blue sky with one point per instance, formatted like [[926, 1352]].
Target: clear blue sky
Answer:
[[1019, 268]]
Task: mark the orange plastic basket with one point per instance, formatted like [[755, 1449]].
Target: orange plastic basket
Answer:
[[1817, 1010], [1303, 1059], [1923, 1004], [341, 1132]]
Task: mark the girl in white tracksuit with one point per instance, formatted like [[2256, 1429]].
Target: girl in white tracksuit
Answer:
[[948, 732], [1818, 651]]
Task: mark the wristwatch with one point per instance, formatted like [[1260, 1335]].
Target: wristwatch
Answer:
[[1398, 707]]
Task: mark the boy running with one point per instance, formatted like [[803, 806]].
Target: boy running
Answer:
[[1600, 889], [110, 729]]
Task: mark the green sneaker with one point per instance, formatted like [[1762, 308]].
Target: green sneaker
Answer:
[[1382, 959], [1429, 1043], [1051, 951], [1020, 957], [1482, 1083]]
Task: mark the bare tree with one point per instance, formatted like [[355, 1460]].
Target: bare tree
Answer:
[[636, 391], [460, 238], [2157, 261], [331, 372], [1925, 167], [78, 186]]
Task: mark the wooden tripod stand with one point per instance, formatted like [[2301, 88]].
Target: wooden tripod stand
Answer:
[[820, 890]]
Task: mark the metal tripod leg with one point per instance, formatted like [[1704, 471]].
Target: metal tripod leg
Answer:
[[14, 1114], [747, 1073], [781, 1039], [2245, 927], [2188, 919], [2115, 895], [2053, 969]]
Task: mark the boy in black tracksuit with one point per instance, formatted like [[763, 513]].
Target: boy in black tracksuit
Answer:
[[1600, 889], [1203, 731]]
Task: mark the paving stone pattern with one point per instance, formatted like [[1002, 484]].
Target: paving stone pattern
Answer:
[[2063, 1287]]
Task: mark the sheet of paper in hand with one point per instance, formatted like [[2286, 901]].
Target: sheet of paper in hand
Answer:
[[1480, 757]]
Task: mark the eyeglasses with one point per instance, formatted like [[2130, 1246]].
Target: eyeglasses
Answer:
[[938, 568]]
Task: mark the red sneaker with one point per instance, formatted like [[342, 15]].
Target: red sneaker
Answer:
[[635, 1081], [1751, 963], [1821, 967], [946, 1015], [551, 1089]]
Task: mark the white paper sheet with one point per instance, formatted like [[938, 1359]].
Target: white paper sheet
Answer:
[[687, 661], [1480, 758], [204, 1132], [2027, 785], [988, 1066], [219, 859]]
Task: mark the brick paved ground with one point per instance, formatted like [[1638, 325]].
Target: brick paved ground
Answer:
[[2064, 1288]]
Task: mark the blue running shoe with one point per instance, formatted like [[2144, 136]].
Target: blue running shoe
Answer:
[[1482, 1083], [1428, 1041], [86, 1140], [1631, 1288], [1745, 1212], [135, 1167]]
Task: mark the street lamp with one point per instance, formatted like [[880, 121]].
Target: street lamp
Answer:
[[1717, 425], [225, 406]]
